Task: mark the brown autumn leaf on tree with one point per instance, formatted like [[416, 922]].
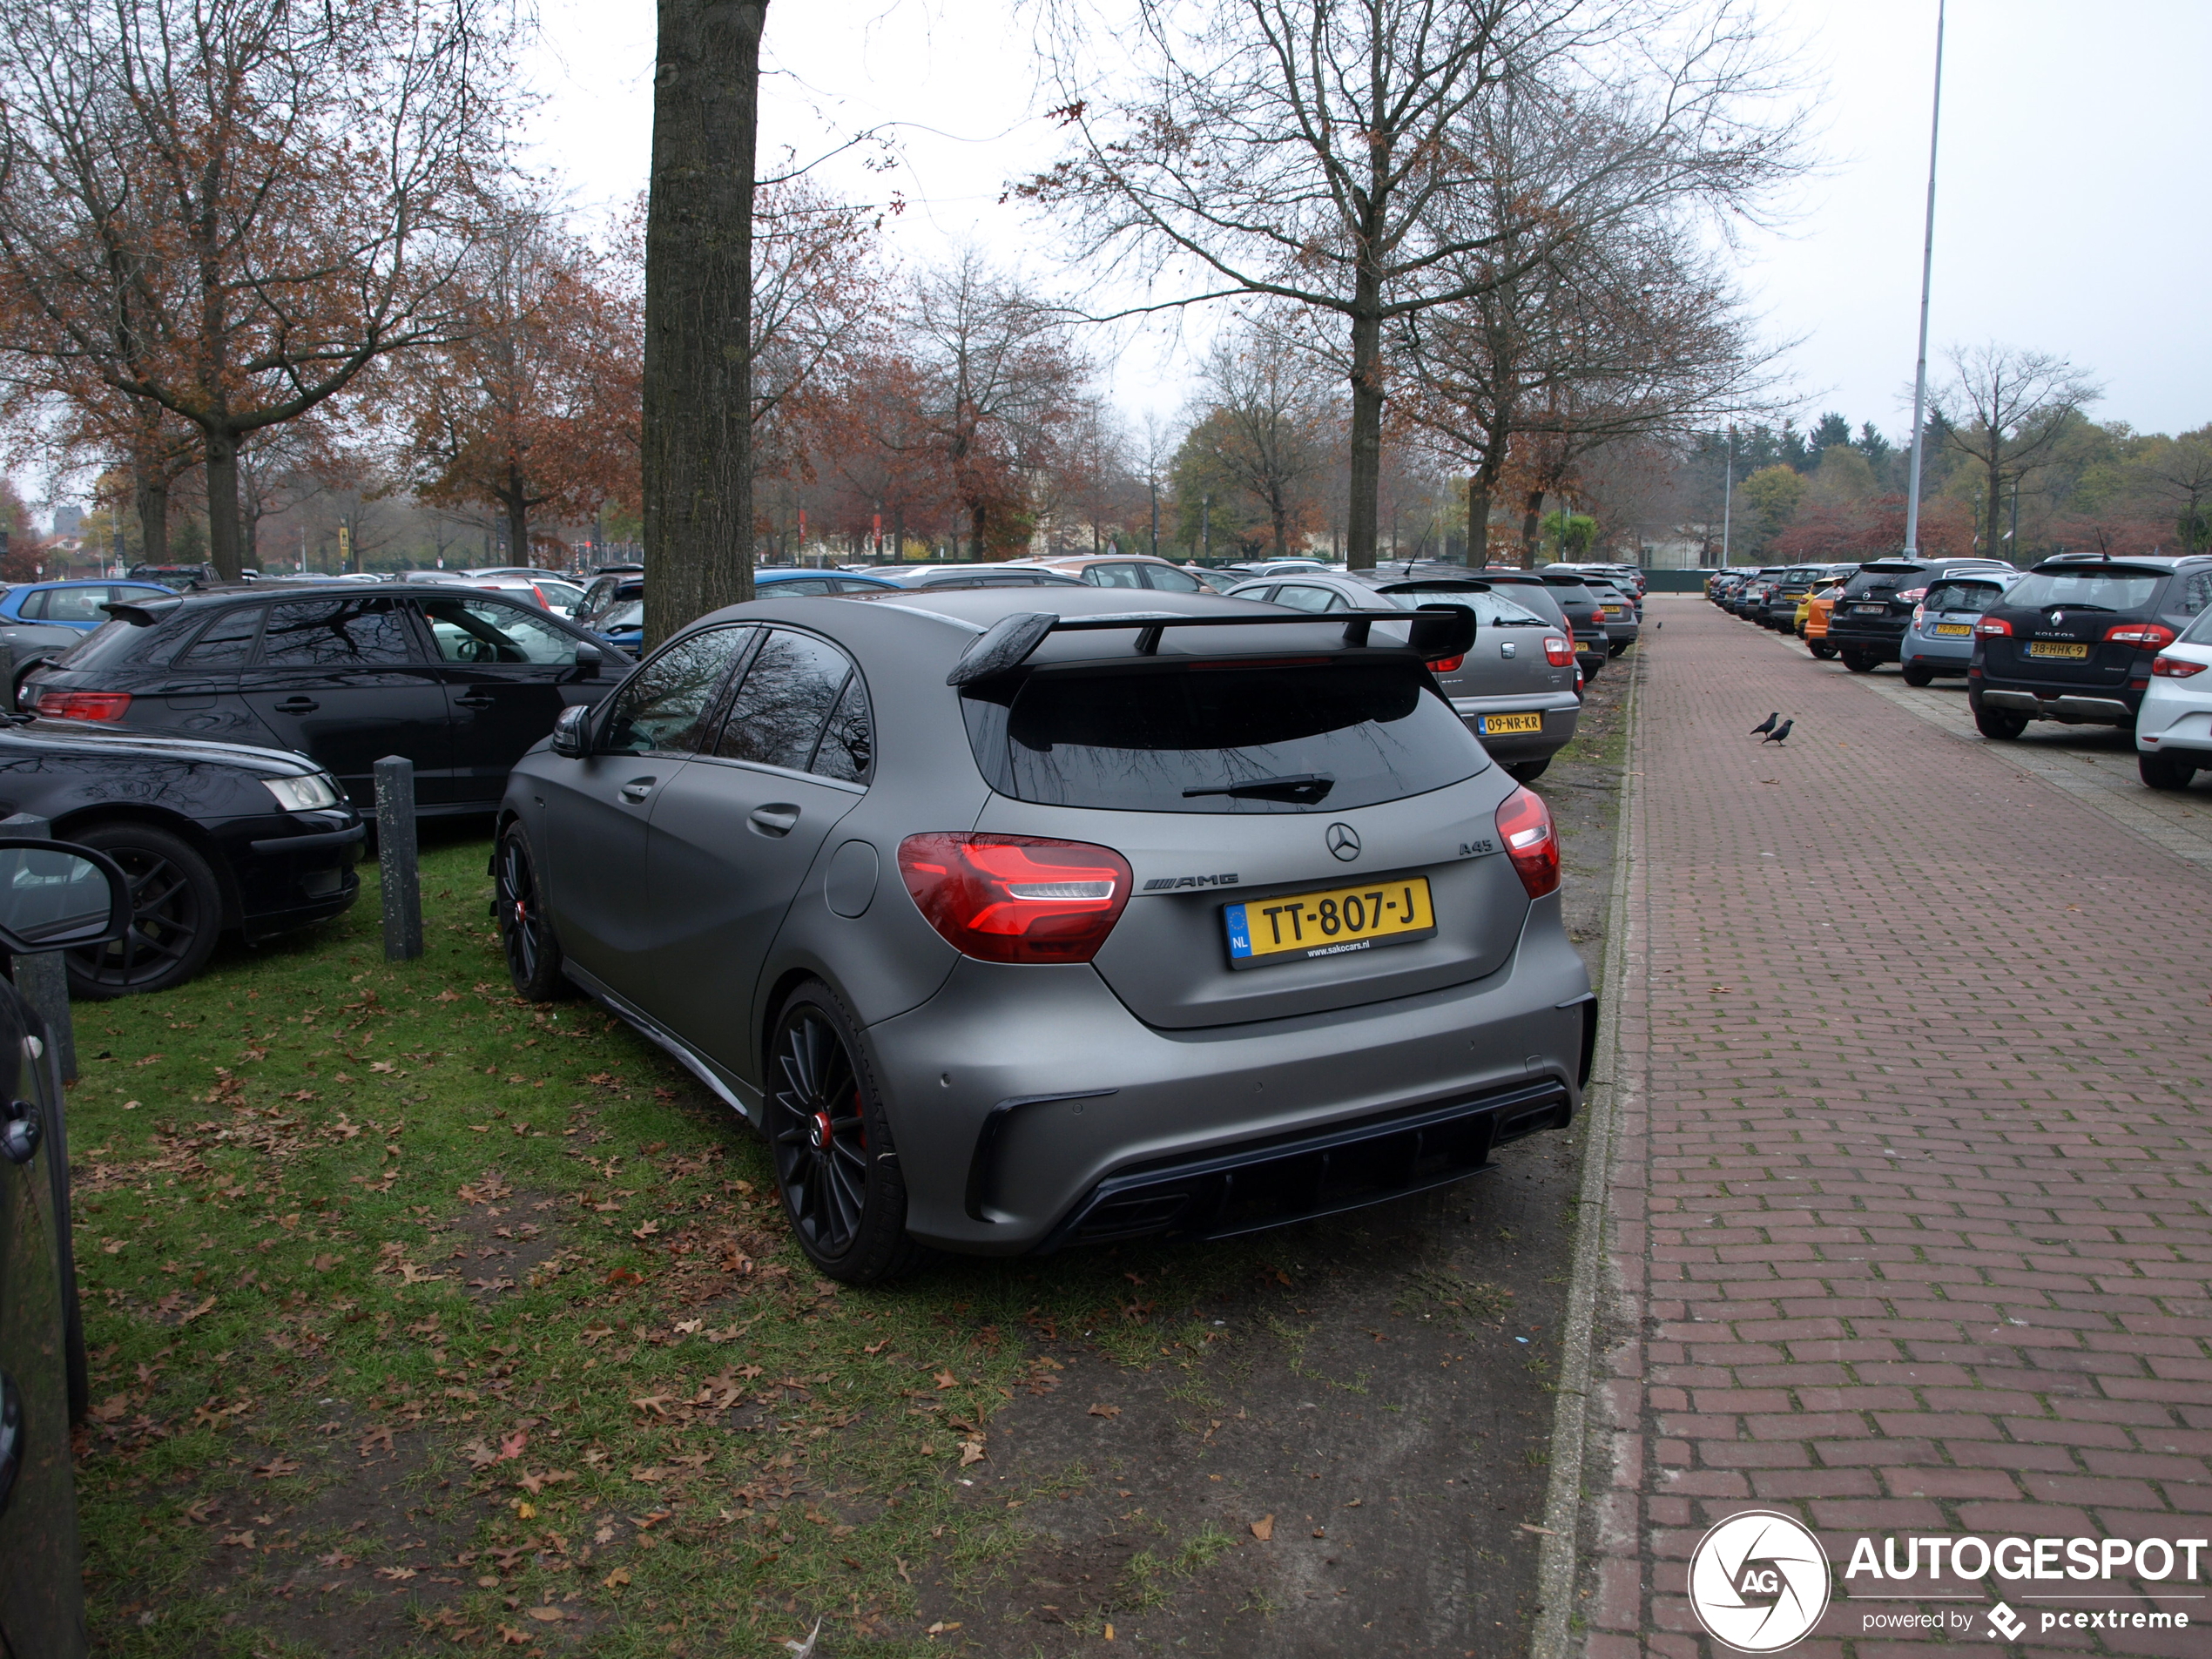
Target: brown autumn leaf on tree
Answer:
[[535, 410], [230, 211]]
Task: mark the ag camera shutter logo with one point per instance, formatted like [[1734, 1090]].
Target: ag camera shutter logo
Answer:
[[1758, 1582]]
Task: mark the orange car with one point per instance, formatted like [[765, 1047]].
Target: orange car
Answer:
[[1813, 627]]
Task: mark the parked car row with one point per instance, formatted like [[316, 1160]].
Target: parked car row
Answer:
[[2082, 639]]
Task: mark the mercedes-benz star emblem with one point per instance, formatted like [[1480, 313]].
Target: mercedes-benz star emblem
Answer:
[[1343, 842]]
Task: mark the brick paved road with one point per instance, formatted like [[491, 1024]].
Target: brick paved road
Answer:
[[1910, 1196]]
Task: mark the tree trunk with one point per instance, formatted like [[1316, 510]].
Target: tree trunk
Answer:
[[1364, 495], [1532, 528], [518, 523], [222, 504], [150, 492], [698, 448], [1996, 497], [976, 530]]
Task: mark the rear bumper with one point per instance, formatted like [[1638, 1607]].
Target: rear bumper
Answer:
[[1561, 712], [1026, 1100], [2163, 725], [2116, 707], [1945, 655], [1879, 641]]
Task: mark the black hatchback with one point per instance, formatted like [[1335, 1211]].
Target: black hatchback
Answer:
[[459, 681], [2074, 638], [1867, 625]]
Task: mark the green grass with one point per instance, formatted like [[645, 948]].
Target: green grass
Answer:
[[652, 1416]]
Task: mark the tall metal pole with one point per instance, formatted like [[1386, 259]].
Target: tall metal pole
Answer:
[[1927, 271], [1154, 484], [1727, 496]]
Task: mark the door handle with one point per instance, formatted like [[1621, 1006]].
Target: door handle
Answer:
[[20, 1132], [775, 820], [637, 788], [298, 706], [479, 701]]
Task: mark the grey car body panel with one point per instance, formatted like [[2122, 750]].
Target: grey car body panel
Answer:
[[1181, 1091], [1179, 1059]]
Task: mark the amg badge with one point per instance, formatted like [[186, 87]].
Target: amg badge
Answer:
[[1167, 883]]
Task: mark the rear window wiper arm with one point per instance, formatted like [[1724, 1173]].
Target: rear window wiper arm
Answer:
[[1299, 788]]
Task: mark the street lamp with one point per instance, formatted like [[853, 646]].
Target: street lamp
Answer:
[[1927, 271]]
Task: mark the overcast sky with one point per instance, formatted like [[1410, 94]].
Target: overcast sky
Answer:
[[2065, 218]]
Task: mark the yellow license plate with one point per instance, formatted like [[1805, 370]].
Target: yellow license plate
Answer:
[[1499, 725], [1329, 921], [1614, 611], [1953, 628], [2048, 648]]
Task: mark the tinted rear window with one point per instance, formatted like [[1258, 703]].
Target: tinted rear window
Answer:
[[2096, 590], [1961, 596], [112, 642], [1895, 580], [1137, 742], [1490, 608]]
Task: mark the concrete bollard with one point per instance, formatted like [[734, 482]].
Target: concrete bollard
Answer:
[[395, 859], [43, 979]]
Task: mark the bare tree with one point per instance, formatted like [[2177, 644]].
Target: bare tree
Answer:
[[2178, 472], [2004, 409], [698, 444], [1261, 427], [1316, 151], [231, 210], [1621, 330]]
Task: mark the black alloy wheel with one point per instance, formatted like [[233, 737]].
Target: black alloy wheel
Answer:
[[2164, 772], [525, 932], [831, 1143], [176, 914]]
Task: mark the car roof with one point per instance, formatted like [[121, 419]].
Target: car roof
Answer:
[[2144, 564]]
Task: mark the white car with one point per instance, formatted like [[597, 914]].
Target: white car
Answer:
[[2174, 727]]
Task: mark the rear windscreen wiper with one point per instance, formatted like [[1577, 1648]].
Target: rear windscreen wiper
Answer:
[[1299, 788]]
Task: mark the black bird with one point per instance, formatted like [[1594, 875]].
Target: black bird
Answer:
[[1766, 725], [1780, 734]]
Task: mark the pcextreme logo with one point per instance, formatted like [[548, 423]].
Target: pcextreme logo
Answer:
[[1759, 1581]]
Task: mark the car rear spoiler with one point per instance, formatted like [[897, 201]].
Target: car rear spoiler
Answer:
[[140, 613], [1437, 631]]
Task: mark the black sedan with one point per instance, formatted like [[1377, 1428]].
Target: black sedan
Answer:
[[458, 681], [214, 837]]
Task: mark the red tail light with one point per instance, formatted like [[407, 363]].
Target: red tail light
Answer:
[[2175, 668], [1525, 825], [1447, 664], [1993, 628], [1913, 596], [1557, 651], [2143, 636], [1017, 898], [84, 705]]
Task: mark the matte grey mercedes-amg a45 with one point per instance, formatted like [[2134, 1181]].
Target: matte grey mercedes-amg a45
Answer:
[[1018, 920]]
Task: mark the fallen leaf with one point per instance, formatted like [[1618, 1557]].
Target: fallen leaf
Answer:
[[646, 1231], [243, 1539], [278, 1467], [1546, 1531], [513, 1445], [941, 1626], [548, 1614], [657, 1404], [946, 1379], [187, 1318], [324, 1262], [336, 1558], [1264, 1529], [395, 1572], [970, 1451], [377, 1439], [687, 1327], [381, 1065], [447, 996], [620, 1576], [1105, 1411], [512, 1637]]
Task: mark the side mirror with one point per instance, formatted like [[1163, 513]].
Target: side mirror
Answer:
[[573, 733], [587, 662], [54, 896]]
